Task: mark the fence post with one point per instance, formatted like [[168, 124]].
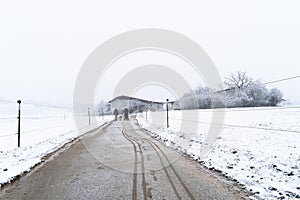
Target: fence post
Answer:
[[19, 123], [102, 113], [167, 113], [89, 116], [146, 113]]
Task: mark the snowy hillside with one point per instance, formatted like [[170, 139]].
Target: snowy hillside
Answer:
[[258, 147]]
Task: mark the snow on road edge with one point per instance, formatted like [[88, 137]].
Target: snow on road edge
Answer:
[[18, 161]]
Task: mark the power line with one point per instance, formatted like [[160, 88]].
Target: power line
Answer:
[[242, 109], [266, 83], [239, 126], [47, 117], [4, 118], [7, 135], [48, 106], [47, 128], [280, 80], [7, 101], [39, 105], [264, 108], [41, 129], [37, 117]]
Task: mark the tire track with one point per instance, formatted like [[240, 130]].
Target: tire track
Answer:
[[134, 180], [174, 171], [144, 183], [166, 172], [157, 149], [136, 144]]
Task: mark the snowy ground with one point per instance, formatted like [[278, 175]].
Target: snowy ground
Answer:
[[266, 161], [43, 130]]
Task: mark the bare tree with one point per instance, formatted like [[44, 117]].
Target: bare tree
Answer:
[[239, 80], [102, 108]]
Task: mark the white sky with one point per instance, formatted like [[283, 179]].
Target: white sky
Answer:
[[44, 43]]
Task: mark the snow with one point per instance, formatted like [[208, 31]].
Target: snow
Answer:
[[266, 162], [43, 130]]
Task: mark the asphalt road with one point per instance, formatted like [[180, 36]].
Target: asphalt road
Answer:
[[120, 161]]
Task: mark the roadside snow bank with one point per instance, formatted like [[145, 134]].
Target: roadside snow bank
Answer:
[[266, 161]]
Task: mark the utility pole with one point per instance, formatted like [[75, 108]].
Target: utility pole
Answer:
[[167, 113], [89, 116], [19, 123], [102, 113]]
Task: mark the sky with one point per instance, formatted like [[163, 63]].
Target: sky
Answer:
[[43, 44]]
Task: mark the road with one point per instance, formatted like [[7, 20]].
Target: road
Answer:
[[120, 161]]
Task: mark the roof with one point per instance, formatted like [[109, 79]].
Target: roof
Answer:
[[123, 97]]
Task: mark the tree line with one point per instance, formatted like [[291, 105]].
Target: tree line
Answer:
[[241, 91]]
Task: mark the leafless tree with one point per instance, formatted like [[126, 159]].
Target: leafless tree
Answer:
[[239, 80], [102, 107]]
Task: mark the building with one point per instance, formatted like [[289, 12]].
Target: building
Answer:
[[136, 104]]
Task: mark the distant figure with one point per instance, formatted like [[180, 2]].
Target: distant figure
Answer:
[[116, 113], [126, 114]]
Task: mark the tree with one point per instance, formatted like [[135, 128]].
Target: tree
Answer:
[[242, 91], [275, 97], [239, 80], [217, 101], [189, 101], [233, 100], [257, 94], [204, 97], [102, 108], [136, 105]]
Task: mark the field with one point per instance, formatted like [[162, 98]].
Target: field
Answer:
[[258, 147]]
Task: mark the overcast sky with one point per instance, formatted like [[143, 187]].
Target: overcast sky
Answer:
[[44, 43]]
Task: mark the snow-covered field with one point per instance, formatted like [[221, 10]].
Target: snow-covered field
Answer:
[[258, 147], [43, 130]]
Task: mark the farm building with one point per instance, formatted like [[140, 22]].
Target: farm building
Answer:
[[136, 104]]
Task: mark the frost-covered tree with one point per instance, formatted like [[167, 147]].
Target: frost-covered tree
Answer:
[[217, 101], [134, 105], [234, 99], [239, 80], [254, 95], [203, 96], [188, 101], [257, 94], [137, 106], [275, 97], [242, 91], [103, 108]]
